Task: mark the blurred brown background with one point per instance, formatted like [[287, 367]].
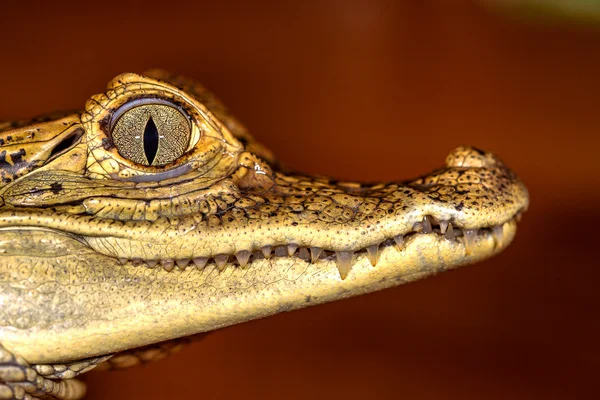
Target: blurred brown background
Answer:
[[369, 90]]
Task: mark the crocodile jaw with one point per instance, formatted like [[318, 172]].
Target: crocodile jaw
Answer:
[[99, 254], [90, 306]]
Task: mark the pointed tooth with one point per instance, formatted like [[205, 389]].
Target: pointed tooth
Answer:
[[221, 261], [426, 225], [315, 252], [182, 263], [470, 235], [291, 249], [399, 239], [373, 254], [123, 260], [243, 257], [498, 232], [266, 251], [304, 254], [450, 232], [151, 263], [344, 262], [168, 265], [200, 261], [444, 226], [137, 261]]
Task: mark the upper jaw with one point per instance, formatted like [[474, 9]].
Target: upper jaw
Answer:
[[231, 222]]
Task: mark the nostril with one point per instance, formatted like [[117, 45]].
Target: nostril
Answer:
[[471, 157]]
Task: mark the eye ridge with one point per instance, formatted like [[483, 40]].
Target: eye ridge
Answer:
[[151, 140]]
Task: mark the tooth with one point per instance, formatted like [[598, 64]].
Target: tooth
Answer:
[[315, 252], [243, 257], [182, 263], [123, 260], [266, 250], [498, 232], [426, 225], [399, 239], [168, 265], [221, 261], [418, 227], [344, 262], [137, 261], [152, 263], [303, 254], [291, 249], [470, 235], [443, 226], [200, 261], [450, 232], [373, 254]]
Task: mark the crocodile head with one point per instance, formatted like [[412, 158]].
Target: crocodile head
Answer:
[[154, 215]]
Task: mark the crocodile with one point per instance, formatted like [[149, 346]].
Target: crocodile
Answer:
[[152, 216]]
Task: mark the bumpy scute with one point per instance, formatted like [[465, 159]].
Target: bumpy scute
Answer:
[[96, 245]]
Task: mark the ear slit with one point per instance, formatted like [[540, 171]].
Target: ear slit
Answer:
[[67, 142]]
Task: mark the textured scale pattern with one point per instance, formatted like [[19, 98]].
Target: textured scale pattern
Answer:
[[98, 243]]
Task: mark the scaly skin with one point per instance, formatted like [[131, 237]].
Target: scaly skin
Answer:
[[99, 254]]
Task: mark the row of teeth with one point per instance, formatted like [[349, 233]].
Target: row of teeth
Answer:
[[344, 258]]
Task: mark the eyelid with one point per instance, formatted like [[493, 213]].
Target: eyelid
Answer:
[[143, 101]]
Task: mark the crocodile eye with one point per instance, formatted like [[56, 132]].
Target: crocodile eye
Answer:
[[151, 134]]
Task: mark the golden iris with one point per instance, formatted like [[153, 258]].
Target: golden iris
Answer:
[[152, 134]]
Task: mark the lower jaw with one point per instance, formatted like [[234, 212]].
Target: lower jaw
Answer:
[[132, 306]]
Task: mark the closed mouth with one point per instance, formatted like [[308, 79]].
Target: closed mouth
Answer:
[[343, 258]]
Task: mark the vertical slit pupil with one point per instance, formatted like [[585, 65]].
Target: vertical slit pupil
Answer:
[[150, 140]]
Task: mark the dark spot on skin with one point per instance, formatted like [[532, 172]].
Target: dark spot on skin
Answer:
[[308, 299], [9, 138], [1, 141], [107, 144], [17, 167], [105, 124], [460, 206], [56, 187], [17, 157], [294, 224]]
